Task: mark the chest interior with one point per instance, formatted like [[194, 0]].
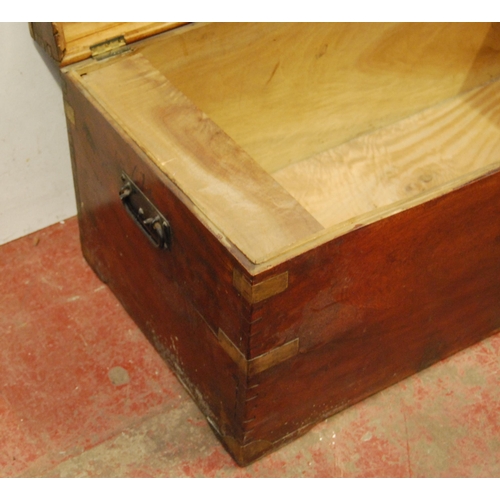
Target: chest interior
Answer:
[[347, 123]]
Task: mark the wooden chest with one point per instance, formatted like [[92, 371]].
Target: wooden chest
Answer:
[[296, 216]]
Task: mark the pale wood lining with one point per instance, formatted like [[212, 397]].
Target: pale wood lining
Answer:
[[285, 92], [399, 162], [368, 218], [359, 182], [248, 208], [364, 180]]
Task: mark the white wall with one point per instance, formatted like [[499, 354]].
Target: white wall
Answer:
[[36, 188]]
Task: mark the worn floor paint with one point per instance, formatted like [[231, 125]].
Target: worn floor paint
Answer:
[[83, 394]]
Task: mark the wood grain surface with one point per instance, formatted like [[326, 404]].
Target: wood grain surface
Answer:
[[401, 161], [285, 92], [382, 171], [244, 203]]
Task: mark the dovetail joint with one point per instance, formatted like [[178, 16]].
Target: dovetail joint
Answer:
[[254, 293], [259, 363]]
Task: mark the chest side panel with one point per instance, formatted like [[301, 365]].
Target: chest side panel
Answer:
[[375, 306], [180, 297]]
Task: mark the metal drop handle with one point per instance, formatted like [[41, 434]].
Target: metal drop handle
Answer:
[[149, 219]]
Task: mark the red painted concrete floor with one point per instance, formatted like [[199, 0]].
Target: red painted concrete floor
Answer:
[[83, 394]]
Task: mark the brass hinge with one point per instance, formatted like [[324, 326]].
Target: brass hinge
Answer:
[[109, 48]]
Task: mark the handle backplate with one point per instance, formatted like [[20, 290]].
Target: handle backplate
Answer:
[[149, 219]]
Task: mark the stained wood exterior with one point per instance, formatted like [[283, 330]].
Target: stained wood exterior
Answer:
[[295, 286]]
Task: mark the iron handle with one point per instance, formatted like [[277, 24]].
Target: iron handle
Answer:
[[149, 219]]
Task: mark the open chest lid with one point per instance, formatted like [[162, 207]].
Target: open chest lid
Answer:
[[68, 43]]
